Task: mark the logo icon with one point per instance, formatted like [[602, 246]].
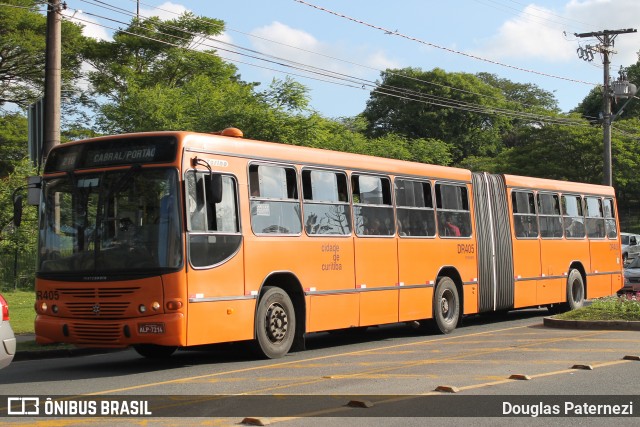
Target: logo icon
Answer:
[[23, 406]]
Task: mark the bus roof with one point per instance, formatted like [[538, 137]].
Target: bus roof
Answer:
[[270, 151], [280, 152], [556, 185]]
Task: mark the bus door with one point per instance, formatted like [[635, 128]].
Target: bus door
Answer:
[[416, 224], [375, 248], [215, 274], [604, 273], [327, 264], [526, 248], [555, 255]]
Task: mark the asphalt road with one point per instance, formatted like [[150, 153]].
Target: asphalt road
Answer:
[[396, 370]]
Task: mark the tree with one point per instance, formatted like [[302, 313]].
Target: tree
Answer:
[[13, 141], [154, 79], [22, 52], [449, 107], [548, 149]]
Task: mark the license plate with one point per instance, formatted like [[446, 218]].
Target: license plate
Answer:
[[151, 328]]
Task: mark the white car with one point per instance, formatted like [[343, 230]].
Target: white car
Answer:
[[630, 246], [8, 340]]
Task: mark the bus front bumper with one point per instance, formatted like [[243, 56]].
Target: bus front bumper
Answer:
[[165, 329]]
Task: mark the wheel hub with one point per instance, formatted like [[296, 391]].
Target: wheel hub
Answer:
[[277, 323]]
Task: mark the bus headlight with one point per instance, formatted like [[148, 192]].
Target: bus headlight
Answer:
[[142, 308]]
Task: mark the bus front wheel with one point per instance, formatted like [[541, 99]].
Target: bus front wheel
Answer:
[[446, 305], [275, 323]]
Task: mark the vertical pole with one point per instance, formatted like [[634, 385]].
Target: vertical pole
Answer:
[[607, 176], [52, 80]]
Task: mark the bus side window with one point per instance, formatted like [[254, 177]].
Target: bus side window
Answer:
[[326, 203], [214, 227], [372, 208], [416, 215], [595, 218], [275, 207], [573, 217], [452, 203], [610, 219], [524, 214], [549, 215]]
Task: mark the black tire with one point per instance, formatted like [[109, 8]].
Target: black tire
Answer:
[[575, 294], [575, 290], [153, 351], [446, 306], [275, 323]]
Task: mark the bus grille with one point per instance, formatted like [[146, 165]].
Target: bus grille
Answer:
[[97, 292], [104, 309], [103, 333], [92, 302]]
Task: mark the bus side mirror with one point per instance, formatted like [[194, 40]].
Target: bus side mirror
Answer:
[[34, 189], [17, 211], [213, 184]]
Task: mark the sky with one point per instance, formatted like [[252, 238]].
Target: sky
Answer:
[[525, 42]]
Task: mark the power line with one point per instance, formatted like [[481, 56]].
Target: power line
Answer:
[[401, 93], [396, 33], [523, 105]]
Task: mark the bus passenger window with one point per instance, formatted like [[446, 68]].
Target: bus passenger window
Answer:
[[549, 215], [595, 218], [372, 209], [214, 227], [326, 205], [610, 219], [275, 208], [572, 217], [415, 212], [524, 214], [454, 218]]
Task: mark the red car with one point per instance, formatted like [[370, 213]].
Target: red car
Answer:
[[8, 340]]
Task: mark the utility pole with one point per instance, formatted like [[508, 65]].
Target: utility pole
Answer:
[[606, 38], [52, 79]]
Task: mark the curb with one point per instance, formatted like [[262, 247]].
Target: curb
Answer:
[[614, 325]]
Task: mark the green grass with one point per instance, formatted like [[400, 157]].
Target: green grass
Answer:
[[610, 308], [21, 311]]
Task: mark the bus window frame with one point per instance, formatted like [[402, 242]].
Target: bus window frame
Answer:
[[564, 215], [190, 232], [601, 217], [540, 215], [464, 185], [432, 209], [612, 217], [355, 204], [519, 215], [346, 203], [252, 198]]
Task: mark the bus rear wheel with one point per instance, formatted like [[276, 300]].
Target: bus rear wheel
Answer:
[[275, 323], [575, 290], [575, 294], [154, 351], [446, 305]]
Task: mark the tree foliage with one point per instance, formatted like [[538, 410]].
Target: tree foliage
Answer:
[[436, 104], [22, 52]]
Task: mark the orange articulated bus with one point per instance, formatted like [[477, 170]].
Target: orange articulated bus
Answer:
[[174, 239]]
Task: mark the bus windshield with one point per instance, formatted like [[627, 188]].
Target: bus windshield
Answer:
[[117, 222]]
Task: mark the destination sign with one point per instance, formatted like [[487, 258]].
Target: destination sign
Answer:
[[112, 152]]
